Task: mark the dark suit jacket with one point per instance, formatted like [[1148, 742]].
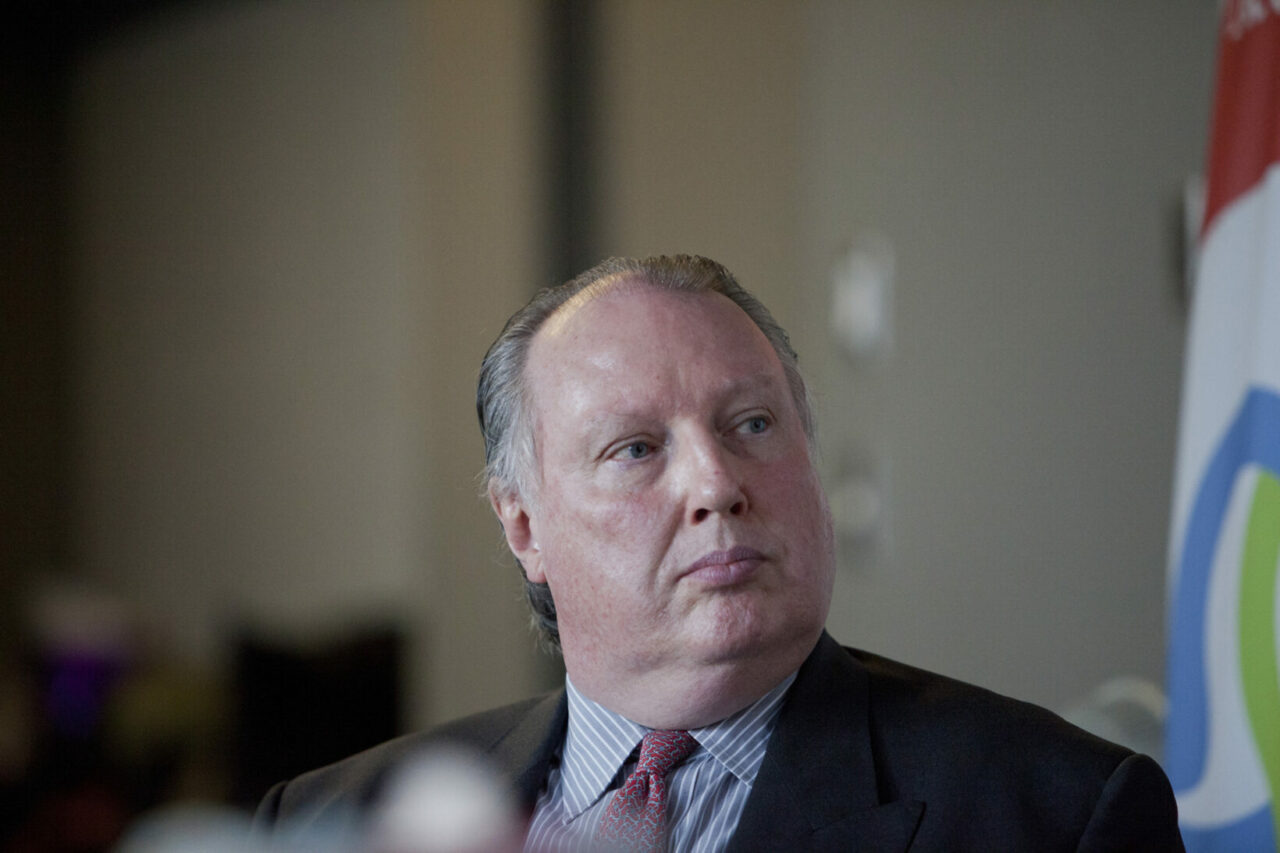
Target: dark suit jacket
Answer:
[[867, 754]]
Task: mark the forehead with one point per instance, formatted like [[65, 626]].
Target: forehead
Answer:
[[636, 341], [636, 317]]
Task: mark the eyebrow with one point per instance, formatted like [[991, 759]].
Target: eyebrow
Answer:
[[749, 382]]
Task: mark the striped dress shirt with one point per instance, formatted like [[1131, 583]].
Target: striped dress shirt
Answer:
[[705, 794]]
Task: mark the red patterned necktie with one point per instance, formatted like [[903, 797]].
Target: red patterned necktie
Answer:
[[636, 817]]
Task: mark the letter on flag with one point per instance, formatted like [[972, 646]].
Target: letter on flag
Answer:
[[1223, 734]]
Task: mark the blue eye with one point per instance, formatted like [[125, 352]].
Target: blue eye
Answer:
[[637, 450], [757, 425], [634, 450]]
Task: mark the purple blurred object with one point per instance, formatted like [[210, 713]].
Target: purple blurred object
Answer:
[[78, 684]]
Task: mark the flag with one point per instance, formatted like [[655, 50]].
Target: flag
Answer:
[[1222, 749]]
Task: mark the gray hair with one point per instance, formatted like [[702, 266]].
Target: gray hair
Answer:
[[502, 396]]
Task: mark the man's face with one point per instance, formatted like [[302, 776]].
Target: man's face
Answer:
[[677, 518]]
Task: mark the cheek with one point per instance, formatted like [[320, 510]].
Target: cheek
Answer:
[[795, 485], [601, 563], [604, 535]]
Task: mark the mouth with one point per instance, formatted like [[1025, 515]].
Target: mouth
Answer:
[[725, 568]]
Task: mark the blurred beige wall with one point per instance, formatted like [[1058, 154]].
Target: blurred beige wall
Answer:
[[298, 226]]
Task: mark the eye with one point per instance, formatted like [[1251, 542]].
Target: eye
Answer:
[[633, 450], [755, 425], [637, 450]]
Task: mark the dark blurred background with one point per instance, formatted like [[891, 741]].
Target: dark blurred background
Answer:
[[254, 252]]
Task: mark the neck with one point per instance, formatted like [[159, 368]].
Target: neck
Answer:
[[684, 697]]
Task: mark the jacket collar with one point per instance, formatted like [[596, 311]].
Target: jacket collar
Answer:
[[528, 748], [817, 787]]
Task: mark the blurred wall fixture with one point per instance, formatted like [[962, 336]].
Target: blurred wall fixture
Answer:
[[862, 297], [857, 500], [861, 321]]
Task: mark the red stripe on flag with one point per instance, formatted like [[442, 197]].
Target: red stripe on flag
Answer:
[[1246, 113]]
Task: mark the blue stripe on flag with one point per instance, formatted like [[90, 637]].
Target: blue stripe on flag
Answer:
[[1252, 439], [1251, 833]]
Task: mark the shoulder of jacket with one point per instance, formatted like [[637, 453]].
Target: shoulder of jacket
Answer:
[[345, 789], [919, 701]]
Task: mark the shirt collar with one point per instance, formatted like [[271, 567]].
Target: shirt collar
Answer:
[[599, 742]]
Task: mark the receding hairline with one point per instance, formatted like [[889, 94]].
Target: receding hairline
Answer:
[[619, 284], [624, 281]]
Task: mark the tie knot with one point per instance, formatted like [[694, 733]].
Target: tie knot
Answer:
[[637, 814], [661, 751]]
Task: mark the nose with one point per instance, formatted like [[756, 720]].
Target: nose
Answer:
[[714, 481]]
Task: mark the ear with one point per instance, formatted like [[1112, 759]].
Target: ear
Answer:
[[518, 527]]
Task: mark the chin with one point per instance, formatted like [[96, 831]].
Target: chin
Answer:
[[737, 642]]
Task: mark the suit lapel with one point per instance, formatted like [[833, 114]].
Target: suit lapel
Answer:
[[817, 788], [526, 750]]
